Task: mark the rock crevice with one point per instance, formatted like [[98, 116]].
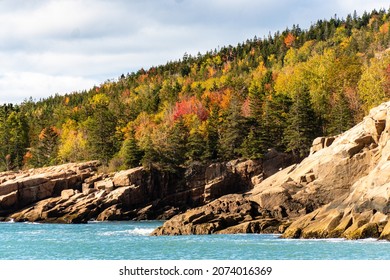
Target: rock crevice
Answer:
[[341, 189]]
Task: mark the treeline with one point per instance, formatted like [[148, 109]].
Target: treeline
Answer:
[[279, 92]]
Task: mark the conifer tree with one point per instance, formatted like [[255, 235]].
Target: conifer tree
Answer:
[[302, 125], [212, 137], [101, 128], [175, 154], [18, 136], [196, 146], [252, 147], [150, 156], [131, 152], [45, 152], [233, 131], [341, 118], [276, 108]]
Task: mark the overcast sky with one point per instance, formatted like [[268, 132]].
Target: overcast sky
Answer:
[[62, 46]]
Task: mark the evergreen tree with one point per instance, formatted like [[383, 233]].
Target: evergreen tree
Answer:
[[233, 131], [302, 125], [46, 149], [101, 128], [175, 153], [252, 147], [18, 138], [196, 146], [276, 108], [212, 137], [256, 96], [341, 115], [151, 155], [131, 152]]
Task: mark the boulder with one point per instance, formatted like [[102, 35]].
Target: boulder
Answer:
[[221, 214], [106, 184], [31, 186], [66, 194], [8, 200], [129, 177]]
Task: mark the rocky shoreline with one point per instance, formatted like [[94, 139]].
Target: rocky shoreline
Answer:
[[341, 189], [77, 193]]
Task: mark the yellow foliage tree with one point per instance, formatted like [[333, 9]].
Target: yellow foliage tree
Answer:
[[373, 83], [73, 144]]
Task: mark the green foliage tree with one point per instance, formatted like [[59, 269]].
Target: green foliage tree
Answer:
[[341, 117], [196, 146], [174, 154], [131, 152], [302, 126], [13, 137], [232, 130], [252, 146], [212, 135], [101, 131], [44, 153]]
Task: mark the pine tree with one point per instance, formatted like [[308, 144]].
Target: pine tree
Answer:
[[131, 152], [151, 155], [212, 137], [302, 125], [341, 117], [175, 154], [46, 149], [101, 128], [276, 108], [252, 147], [233, 131], [196, 146], [18, 136]]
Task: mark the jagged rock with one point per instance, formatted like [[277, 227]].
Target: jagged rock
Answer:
[[105, 184], [75, 193], [385, 234], [129, 177], [30, 186], [66, 194], [221, 214], [8, 200], [321, 142], [341, 189]]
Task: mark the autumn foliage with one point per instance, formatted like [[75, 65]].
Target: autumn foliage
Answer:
[[190, 106], [278, 92]]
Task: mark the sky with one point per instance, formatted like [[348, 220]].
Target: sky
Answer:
[[52, 47]]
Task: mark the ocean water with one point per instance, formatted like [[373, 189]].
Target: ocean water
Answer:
[[131, 241]]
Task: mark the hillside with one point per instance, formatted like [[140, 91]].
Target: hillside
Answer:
[[281, 91]]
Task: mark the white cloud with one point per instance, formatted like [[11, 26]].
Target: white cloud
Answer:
[[19, 86], [52, 46]]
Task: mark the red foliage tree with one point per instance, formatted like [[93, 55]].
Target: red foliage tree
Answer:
[[289, 40], [190, 106]]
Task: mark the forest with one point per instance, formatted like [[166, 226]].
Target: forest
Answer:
[[280, 91]]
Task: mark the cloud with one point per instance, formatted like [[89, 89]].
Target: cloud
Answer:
[[82, 43], [16, 87]]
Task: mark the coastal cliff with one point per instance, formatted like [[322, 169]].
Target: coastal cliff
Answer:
[[77, 192], [340, 190]]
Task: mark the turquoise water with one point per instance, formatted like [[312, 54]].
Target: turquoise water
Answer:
[[130, 240]]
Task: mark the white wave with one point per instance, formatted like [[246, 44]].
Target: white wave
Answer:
[[141, 231], [134, 232], [11, 221]]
